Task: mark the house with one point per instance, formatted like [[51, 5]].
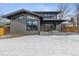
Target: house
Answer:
[[32, 22], [4, 21]]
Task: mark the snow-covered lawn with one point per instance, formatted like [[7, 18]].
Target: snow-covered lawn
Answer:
[[40, 45]]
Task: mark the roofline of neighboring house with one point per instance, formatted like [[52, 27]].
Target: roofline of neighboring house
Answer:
[[21, 10]]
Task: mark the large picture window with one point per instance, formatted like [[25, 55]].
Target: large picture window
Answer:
[[32, 24]]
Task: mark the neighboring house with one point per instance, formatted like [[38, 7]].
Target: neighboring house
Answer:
[[32, 22], [4, 21]]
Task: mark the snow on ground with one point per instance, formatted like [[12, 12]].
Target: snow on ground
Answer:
[[36, 45]]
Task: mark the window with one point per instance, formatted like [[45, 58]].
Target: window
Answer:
[[30, 17], [14, 18], [48, 27], [32, 23], [48, 16], [20, 17]]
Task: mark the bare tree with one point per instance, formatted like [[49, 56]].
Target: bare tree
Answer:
[[64, 10], [77, 13]]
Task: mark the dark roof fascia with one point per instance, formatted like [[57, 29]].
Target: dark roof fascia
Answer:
[[55, 20], [46, 12], [52, 21], [21, 10]]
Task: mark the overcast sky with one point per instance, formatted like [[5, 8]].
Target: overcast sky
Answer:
[[10, 7]]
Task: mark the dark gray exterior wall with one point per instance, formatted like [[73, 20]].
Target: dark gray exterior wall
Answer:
[[20, 26], [17, 26]]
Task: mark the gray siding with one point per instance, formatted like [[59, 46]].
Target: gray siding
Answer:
[[17, 27]]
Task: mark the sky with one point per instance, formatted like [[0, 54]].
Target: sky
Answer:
[[10, 7]]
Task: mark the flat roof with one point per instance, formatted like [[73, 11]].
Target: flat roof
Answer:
[[56, 12]]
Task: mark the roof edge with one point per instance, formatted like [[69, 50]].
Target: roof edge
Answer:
[[20, 10]]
